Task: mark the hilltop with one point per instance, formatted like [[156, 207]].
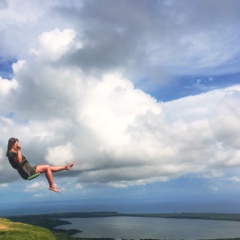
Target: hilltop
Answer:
[[20, 231]]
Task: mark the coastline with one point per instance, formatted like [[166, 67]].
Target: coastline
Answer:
[[206, 216], [53, 220]]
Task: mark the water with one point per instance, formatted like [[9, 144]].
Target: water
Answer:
[[41, 207], [155, 228]]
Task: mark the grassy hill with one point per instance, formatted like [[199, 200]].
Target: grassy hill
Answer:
[[20, 231]]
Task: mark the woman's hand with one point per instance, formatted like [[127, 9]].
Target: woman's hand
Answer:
[[18, 158]]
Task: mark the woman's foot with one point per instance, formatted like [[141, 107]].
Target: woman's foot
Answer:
[[54, 189], [69, 166]]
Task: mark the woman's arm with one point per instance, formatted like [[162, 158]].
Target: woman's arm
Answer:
[[18, 158]]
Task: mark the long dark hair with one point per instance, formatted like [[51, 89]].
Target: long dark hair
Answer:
[[11, 142]]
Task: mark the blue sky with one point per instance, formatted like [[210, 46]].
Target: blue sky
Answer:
[[143, 95]]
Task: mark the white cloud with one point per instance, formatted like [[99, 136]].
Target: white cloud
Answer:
[[73, 96], [234, 179], [6, 86], [60, 154], [54, 44], [40, 195], [78, 186], [144, 41], [4, 185], [118, 134], [36, 186]]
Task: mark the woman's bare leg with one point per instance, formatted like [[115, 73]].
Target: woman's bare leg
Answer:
[[48, 173], [66, 167]]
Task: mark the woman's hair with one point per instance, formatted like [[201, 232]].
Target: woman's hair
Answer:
[[11, 142]]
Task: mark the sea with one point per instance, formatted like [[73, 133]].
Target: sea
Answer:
[[42, 207], [153, 228]]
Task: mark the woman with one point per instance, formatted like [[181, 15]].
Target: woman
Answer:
[[24, 168]]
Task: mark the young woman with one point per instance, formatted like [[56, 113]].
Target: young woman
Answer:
[[24, 168]]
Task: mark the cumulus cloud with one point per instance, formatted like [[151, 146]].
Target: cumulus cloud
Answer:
[[154, 41], [234, 179], [54, 44], [35, 186], [4, 185], [118, 134], [73, 94], [60, 154], [7, 86]]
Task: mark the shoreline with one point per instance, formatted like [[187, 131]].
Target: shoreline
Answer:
[[53, 221], [187, 215]]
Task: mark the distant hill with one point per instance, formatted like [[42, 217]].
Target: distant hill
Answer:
[[20, 231]]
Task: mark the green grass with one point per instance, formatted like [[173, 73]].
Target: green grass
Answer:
[[20, 231]]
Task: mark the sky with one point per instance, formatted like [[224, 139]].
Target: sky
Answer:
[[143, 95]]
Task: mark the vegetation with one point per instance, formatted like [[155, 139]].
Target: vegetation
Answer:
[[20, 231], [48, 221]]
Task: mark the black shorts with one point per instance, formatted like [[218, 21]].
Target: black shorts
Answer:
[[26, 170]]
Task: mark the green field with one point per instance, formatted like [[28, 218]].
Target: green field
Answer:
[[20, 231]]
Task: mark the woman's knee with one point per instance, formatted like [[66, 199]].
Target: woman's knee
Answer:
[[42, 168]]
